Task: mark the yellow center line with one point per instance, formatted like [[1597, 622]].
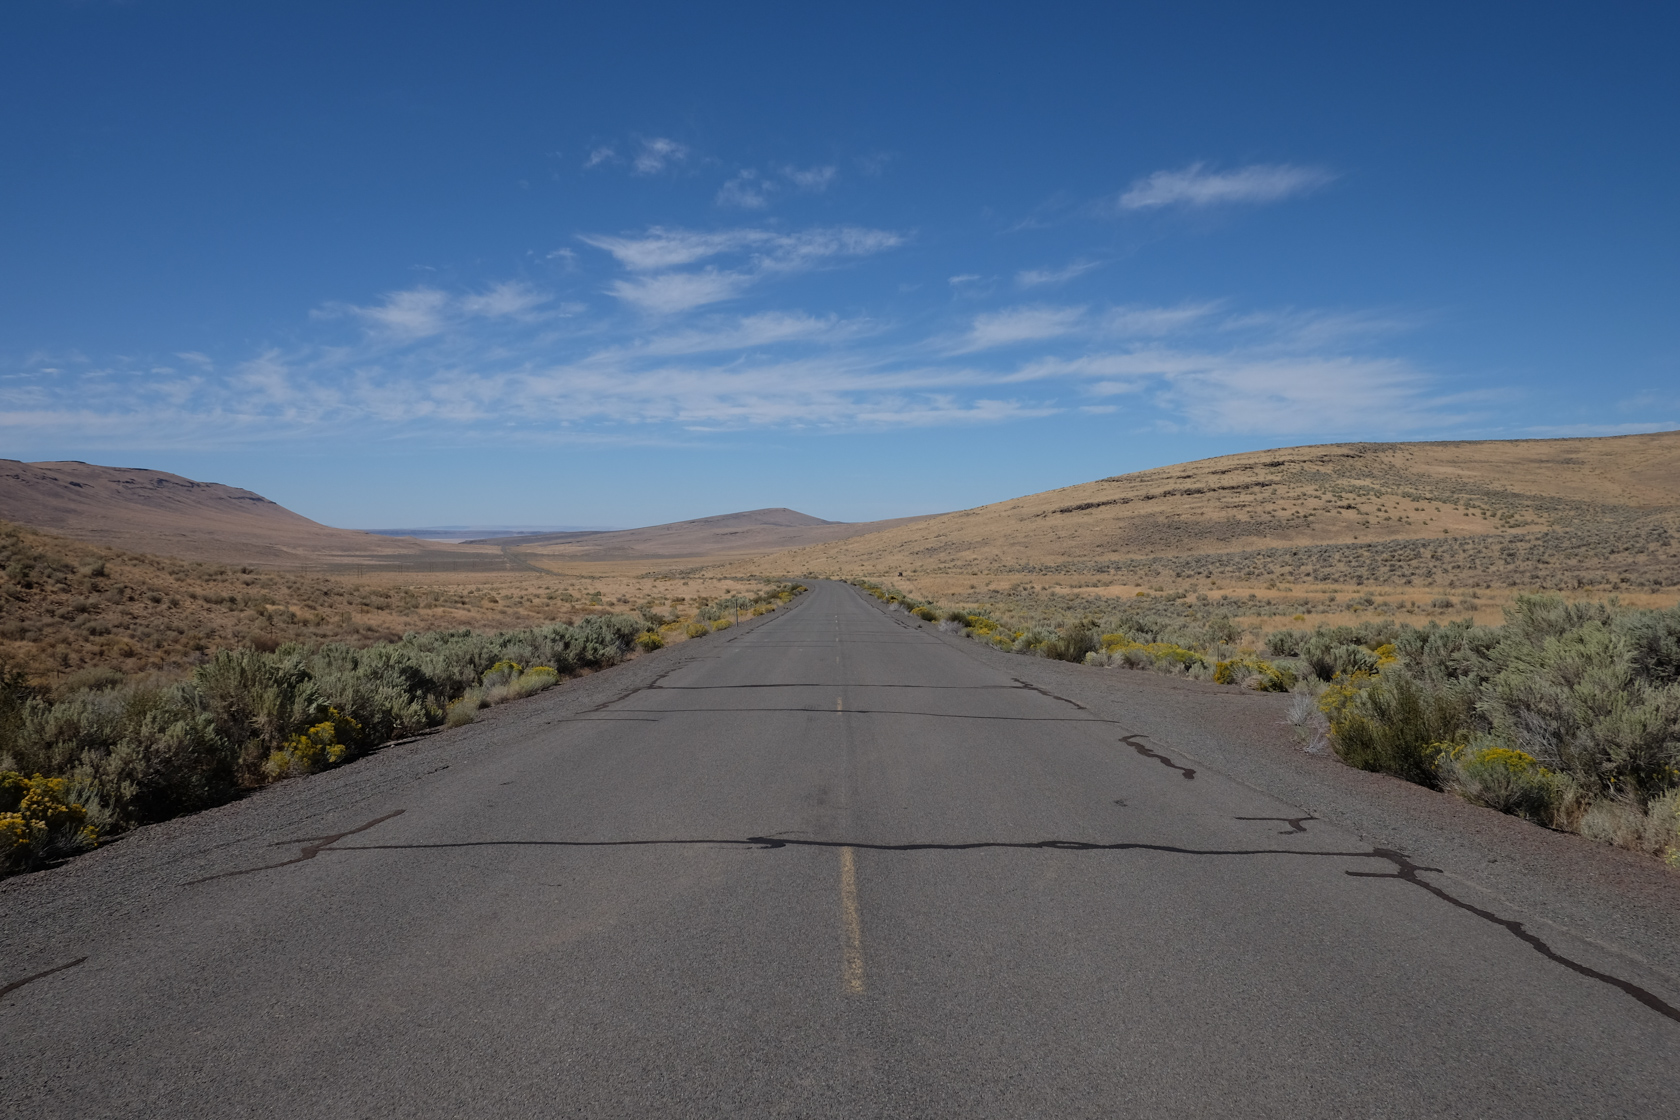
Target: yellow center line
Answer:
[[852, 959]]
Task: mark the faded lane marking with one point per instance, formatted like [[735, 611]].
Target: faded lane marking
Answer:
[[852, 962]]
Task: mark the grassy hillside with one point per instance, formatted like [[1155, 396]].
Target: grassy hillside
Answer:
[[1457, 514], [69, 608], [159, 513], [1328, 531], [683, 543]]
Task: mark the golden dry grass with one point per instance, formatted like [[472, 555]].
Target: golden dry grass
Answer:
[[68, 606], [1309, 531], [162, 514]]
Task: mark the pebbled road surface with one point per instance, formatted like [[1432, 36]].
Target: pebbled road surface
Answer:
[[834, 864]]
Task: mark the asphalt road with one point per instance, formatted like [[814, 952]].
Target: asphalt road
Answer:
[[827, 864]]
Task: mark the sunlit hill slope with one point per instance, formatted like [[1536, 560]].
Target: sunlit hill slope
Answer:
[[1564, 514]]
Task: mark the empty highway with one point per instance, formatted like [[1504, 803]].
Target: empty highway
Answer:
[[828, 864]]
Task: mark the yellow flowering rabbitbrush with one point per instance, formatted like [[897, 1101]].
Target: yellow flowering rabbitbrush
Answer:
[[39, 821]]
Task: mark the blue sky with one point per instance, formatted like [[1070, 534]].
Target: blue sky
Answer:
[[533, 264]]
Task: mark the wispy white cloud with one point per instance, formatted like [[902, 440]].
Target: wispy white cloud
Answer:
[[670, 292], [1150, 322], [1195, 188], [658, 153], [750, 189], [519, 360], [507, 298], [1038, 277], [813, 179], [748, 332], [660, 247], [764, 252], [874, 164], [1019, 324], [597, 156], [422, 312], [1315, 328], [746, 191], [415, 313]]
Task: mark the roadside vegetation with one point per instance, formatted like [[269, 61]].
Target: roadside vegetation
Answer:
[[1567, 713], [67, 607], [100, 751]]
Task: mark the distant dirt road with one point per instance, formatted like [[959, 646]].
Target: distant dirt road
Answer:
[[826, 864]]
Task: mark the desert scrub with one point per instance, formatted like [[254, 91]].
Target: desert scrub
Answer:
[[649, 641], [144, 750], [1662, 828], [1120, 651], [464, 710], [40, 818], [1252, 672], [697, 629], [1397, 726], [1504, 779], [325, 744], [508, 680]]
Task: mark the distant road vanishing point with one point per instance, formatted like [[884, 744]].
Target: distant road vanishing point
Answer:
[[826, 864]]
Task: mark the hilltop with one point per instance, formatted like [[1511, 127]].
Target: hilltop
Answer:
[[752, 533], [154, 512], [157, 513], [1412, 527], [1582, 512]]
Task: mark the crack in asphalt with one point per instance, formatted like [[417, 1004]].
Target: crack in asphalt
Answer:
[[831, 684], [1404, 871], [1407, 872], [312, 847], [16, 984], [868, 712], [1047, 692], [770, 843], [1187, 771], [1296, 824]]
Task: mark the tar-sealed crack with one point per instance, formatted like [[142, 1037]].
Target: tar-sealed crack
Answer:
[[852, 712], [1047, 692], [1407, 872], [312, 847], [1130, 741], [1296, 824], [1404, 871], [828, 684]]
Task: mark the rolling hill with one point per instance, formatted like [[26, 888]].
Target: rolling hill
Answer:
[[752, 533], [1599, 513], [158, 513]]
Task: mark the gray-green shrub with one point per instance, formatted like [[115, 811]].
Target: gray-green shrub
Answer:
[[146, 749]]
